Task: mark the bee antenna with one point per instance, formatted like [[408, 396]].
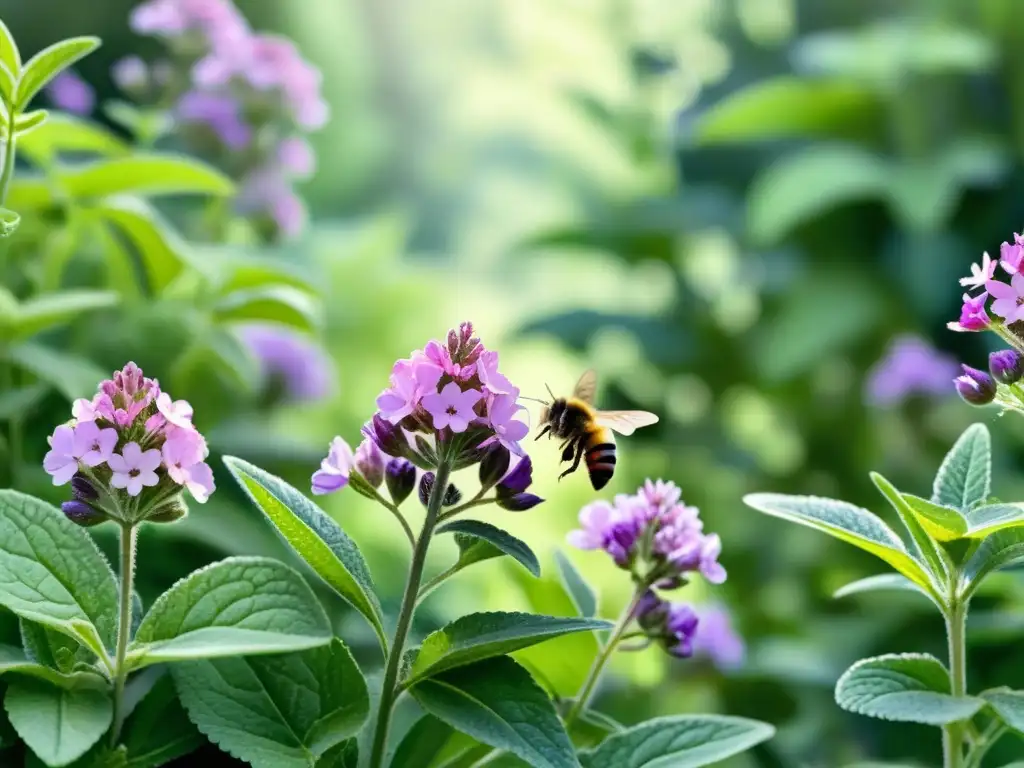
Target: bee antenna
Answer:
[[533, 399], [548, 388]]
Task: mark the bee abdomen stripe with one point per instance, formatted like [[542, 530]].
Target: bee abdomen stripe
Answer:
[[603, 453]]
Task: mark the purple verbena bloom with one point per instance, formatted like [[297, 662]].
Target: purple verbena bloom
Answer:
[[1011, 254], [1009, 299], [182, 450], [973, 316], [910, 367], [369, 461], [133, 469], [716, 639], [220, 112], [980, 273], [60, 461], [295, 156], [300, 366], [71, 93], [975, 387], [130, 73], [93, 445], [334, 470], [508, 430], [410, 381], [681, 627], [452, 408]]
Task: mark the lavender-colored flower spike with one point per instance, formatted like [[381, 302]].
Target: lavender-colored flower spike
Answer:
[[716, 638], [910, 367], [298, 367], [71, 93]]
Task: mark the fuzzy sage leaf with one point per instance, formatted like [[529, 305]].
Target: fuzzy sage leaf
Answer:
[[930, 551], [912, 688], [579, 591], [964, 479], [283, 711], [158, 730], [497, 702], [238, 606], [314, 536], [685, 741], [479, 541]]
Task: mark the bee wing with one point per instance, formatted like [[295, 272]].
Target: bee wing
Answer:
[[586, 387], [625, 422]]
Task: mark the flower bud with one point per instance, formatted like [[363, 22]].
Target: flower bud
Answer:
[[519, 479], [452, 495], [651, 611], [1007, 366], [169, 511], [493, 466], [80, 513], [370, 463], [389, 437], [400, 477], [518, 502], [975, 387], [82, 488]]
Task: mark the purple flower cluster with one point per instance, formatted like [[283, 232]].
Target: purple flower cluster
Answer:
[[290, 363], [910, 367], [651, 534], [445, 402], [69, 92], [129, 452], [251, 95], [1008, 298], [674, 625]]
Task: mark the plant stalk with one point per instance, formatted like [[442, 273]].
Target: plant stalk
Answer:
[[956, 631], [9, 155], [124, 627], [389, 690], [594, 675]]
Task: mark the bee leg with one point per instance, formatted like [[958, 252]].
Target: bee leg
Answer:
[[543, 432], [576, 461]]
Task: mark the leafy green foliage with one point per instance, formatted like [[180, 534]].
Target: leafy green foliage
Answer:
[[158, 730], [58, 724], [999, 550], [965, 477], [422, 743], [147, 175], [685, 741], [496, 702], [581, 593], [479, 541], [990, 518], [48, 311], [483, 635], [941, 523], [49, 63], [846, 522], [279, 711], [52, 573], [241, 605], [316, 537], [929, 550], [1008, 706], [883, 581], [910, 688]]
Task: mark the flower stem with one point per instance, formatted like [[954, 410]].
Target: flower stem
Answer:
[[128, 535], [389, 691], [9, 155], [956, 630], [587, 690]]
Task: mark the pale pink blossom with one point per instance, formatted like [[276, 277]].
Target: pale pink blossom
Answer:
[[451, 407], [178, 412], [60, 461], [93, 446], [980, 274], [1009, 299], [134, 468]]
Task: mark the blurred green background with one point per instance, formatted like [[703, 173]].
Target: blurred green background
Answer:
[[729, 208]]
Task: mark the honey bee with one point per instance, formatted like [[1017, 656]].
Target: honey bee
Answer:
[[588, 432]]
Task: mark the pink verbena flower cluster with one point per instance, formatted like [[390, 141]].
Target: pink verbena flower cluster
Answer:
[[129, 452], [652, 534], [446, 402], [249, 99]]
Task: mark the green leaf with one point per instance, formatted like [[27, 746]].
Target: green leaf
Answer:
[[147, 175], [926, 546], [48, 63], [787, 106], [483, 635], [52, 573], [59, 725], [808, 183], [910, 688], [15, 660], [8, 82], [238, 606], [276, 303], [9, 222], [10, 56], [69, 374], [276, 711], [997, 551], [344, 755], [29, 121], [941, 523], [581, 593], [314, 536], [422, 743], [158, 730], [161, 251], [964, 479], [990, 518], [682, 741], [846, 522], [47, 311], [591, 727], [479, 541], [1008, 705], [497, 702], [21, 401], [66, 133], [890, 581]]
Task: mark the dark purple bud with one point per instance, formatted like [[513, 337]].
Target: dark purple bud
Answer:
[[388, 437], [975, 387], [170, 511], [493, 466], [518, 502], [680, 628], [519, 479], [82, 488], [451, 494], [400, 476], [650, 611], [370, 463], [82, 514], [1007, 366]]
